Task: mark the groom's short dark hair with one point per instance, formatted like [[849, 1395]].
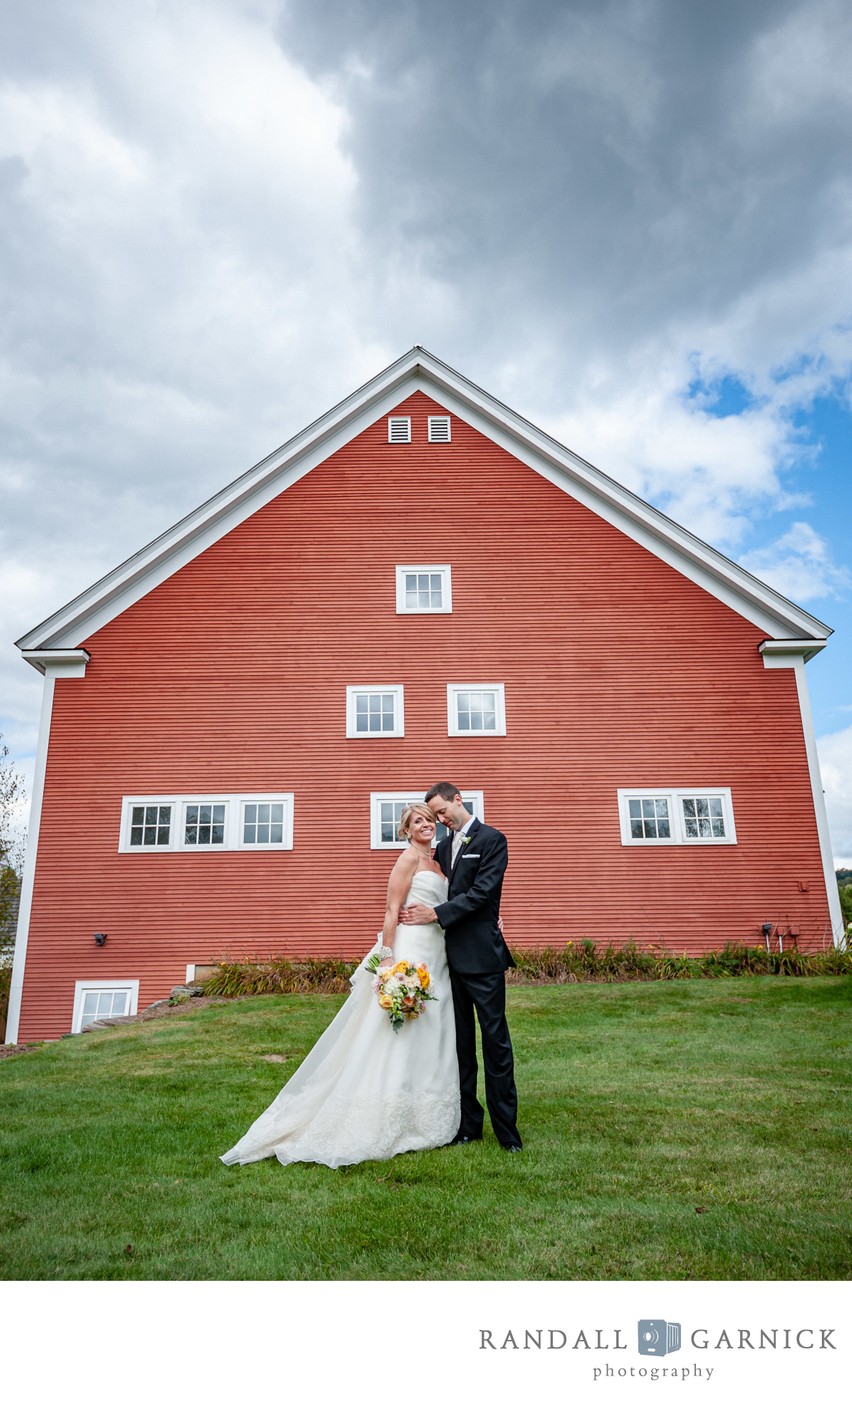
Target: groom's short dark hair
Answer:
[[446, 790]]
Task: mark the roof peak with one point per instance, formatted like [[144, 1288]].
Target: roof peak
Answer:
[[418, 369]]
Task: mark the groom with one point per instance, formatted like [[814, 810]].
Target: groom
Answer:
[[473, 858]]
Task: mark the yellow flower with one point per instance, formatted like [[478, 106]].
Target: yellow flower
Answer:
[[423, 977], [385, 1002], [401, 966]]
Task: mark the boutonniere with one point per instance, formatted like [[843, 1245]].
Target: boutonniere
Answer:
[[465, 840]]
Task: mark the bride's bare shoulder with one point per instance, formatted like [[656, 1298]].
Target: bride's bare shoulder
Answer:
[[406, 864]]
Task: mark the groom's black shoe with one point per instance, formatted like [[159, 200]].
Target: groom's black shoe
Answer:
[[465, 1137]]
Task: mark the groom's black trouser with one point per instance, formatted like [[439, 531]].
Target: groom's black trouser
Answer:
[[485, 998]]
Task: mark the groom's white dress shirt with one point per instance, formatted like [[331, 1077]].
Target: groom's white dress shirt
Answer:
[[458, 837]]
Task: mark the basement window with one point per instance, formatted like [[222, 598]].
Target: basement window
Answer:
[[103, 1000]]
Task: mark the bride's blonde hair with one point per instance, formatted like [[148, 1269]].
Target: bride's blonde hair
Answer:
[[408, 814]]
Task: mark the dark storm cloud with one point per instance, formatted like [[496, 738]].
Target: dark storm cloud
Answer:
[[577, 154]]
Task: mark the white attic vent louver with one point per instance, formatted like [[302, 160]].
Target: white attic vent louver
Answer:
[[399, 429], [439, 429]]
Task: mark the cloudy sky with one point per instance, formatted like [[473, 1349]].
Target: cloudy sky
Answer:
[[628, 220]]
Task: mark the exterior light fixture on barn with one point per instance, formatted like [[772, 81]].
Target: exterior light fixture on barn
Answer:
[[234, 718]]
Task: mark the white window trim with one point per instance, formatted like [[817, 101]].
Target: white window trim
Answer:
[[396, 796], [398, 693], [394, 440], [678, 834], [441, 440], [84, 988], [233, 822], [446, 572], [453, 688]]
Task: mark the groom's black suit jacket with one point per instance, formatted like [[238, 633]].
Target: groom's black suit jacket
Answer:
[[475, 944]]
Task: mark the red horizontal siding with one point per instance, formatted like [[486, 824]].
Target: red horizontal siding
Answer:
[[231, 676]]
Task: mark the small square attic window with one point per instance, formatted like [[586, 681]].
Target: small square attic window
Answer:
[[399, 429]]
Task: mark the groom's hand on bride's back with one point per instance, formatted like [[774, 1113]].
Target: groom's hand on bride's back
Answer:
[[418, 915]]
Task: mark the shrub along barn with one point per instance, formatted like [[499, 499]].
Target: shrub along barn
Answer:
[[420, 585]]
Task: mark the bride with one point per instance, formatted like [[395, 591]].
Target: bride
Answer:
[[365, 1092]]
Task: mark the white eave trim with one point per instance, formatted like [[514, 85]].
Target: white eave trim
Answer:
[[59, 662], [416, 371], [787, 651]]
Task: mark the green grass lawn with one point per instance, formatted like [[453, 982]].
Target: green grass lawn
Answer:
[[674, 1130]]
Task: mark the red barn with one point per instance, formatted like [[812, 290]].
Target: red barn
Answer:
[[421, 585]]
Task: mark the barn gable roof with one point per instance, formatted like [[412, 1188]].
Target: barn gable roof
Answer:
[[419, 370]]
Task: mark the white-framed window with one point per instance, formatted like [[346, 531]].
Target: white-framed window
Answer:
[[209, 823], [103, 1000], [204, 824], [386, 811], [149, 825], [424, 588], [267, 823], [399, 429], [476, 708], [440, 429], [673, 816], [375, 711]]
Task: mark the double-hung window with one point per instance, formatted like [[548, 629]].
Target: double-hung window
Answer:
[[386, 811], [424, 588], [476, 709], [676, 816], [375, 711]]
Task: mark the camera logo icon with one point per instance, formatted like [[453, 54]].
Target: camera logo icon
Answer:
[[657, 1338]]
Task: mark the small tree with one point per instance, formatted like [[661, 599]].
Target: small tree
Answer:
[[11, 792]]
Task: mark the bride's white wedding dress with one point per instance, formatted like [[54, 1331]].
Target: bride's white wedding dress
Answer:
[[365, 1093]]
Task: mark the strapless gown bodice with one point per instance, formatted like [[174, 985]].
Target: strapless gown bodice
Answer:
[[428, 887], [365, 1092]]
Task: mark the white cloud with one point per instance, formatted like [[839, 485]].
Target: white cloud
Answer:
[[799, 565], [835, 758], [710, 473]]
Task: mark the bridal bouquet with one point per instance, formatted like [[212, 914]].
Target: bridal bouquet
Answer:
[[401, 988]]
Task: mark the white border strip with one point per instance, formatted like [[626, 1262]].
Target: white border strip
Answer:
[[835, 913], [25, 909]]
